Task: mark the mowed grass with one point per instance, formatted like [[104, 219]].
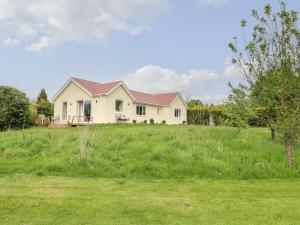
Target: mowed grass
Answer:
[[28, 199], [145, 151]]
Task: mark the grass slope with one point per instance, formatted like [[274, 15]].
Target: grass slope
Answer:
[[145, 151], [36, 200]]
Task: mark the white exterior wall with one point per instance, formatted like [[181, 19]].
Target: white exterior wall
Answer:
[[103, 107], [109, 105], [177, 104], [151, 113], [71, 94]]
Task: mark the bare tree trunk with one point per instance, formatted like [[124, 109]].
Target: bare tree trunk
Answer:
[[273, 133], [288, 154]]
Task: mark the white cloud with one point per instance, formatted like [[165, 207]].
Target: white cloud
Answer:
[[11, 42], [216, 3], [157, 79], [204, 84], [213, 98], [48, 23], [231, 70]]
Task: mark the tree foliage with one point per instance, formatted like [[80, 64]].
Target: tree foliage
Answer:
[[44, 107], [42, 96], [191, 103], [270, 62], [14, 108], [238, 107]]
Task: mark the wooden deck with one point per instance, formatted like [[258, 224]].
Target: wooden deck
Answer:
[[71, 121]]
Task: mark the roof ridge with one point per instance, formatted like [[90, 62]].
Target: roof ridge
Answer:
[[76, 78], [164, 93]]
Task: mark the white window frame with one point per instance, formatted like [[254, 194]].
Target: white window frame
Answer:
[[64, 117], [143, 110], [177, 113], [122, 110]]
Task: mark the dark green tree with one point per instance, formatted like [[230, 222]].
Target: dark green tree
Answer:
[[44, 106], [42, 96], [270, 62], [14, 108]]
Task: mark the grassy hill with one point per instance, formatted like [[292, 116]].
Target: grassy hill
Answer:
[[145, 151]]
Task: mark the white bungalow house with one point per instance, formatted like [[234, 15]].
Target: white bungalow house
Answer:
[[83, 101]]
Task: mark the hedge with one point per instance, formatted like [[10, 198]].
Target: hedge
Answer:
[[202, 114]]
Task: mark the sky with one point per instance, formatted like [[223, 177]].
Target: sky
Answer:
[[152, 45]]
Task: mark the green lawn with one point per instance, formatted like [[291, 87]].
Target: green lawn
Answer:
[[59, 200], [146, 174]]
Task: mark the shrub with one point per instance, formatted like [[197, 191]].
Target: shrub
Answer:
[[14, 108], [45, 108], [164, 122], [145, 121], [152, 121], [202, 114], [133, 121]]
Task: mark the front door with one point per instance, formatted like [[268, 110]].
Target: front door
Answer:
[[80, 111]]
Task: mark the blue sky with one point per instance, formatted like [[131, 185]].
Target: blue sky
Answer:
[[153, 45]]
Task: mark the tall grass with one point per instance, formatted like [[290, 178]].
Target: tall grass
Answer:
[[145, 151], [85, 149]]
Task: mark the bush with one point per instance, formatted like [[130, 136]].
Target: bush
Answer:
[[164, 122], [45, 108], [145, 121], [201, 115], [14, 108], [133, 121], [152, 121]]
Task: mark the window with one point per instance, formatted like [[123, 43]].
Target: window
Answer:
[[119, 106], [65, 111], [140, 110], [87, 110], [177, 113]]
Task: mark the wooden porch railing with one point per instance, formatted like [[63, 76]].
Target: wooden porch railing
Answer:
[[73, 120], [80, 120]]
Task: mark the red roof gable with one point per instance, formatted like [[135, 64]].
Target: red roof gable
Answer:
[[96, 88]]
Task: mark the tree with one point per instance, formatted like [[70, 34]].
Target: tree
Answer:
[[42, 96], [191, 103], [44, 107], [14, 108], [238, 108], [270, 62]]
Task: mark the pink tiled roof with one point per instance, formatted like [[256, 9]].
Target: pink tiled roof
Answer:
[[96, 88], [154, 99]]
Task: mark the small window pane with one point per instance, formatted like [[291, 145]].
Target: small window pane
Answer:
[[177, 113], [140, 110]]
